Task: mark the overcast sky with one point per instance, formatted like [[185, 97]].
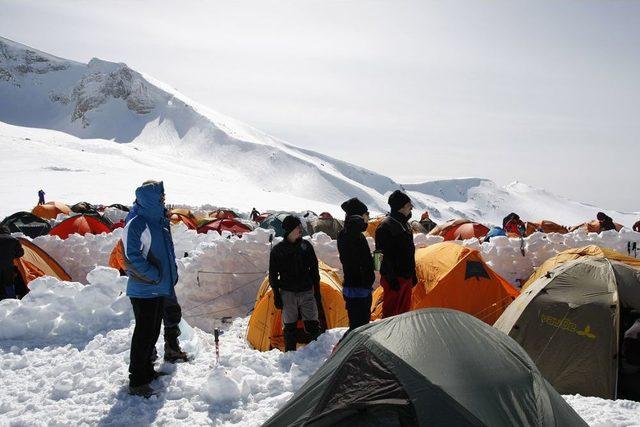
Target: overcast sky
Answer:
[[546, 92]]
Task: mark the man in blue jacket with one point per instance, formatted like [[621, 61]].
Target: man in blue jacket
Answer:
[[151, 267]]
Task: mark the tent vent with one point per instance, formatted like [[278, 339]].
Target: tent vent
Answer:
[[475, 269]]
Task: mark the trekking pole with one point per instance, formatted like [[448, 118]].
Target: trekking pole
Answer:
[[216, 338], [628, 248]]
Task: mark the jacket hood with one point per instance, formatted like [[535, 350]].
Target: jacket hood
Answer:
[[149, 200]]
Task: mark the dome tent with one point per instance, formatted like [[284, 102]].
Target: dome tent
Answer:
[[80, 224], [232, 225], [27, 224], [460, 229], [51, 210], [423, 368], [264, 332], [329, 226], [274, 222], [569, 322], [453, 276], [36, 263]]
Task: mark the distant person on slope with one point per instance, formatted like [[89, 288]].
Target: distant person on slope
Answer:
[[41, 194], [254, 214], [605, 221], [357, 263], [294, 278], [171, 311], [151, 267], [394, 238], [10, 249]]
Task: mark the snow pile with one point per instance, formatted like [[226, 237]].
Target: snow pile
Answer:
[[77, 254], [605, 413], [61, 310]]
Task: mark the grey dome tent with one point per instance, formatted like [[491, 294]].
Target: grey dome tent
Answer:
[[330, 226], [569, 322], [274, 222], [27, 224], [424, 368]]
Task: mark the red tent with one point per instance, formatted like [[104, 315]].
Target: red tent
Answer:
[[326, 215], [262, 217], [189, 222], [234, 226], [81, 224], [223, 214], [460, 229]]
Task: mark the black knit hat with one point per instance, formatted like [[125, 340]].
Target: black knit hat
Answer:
[[289, 223], [397, 200], [354, 207]]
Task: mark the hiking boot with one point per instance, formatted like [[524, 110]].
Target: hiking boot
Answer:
[[143, 390], [173, 353]]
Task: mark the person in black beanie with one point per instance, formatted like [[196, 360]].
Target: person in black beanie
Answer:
[[605, 221], [357, 263], [394, 238], [294, 277]]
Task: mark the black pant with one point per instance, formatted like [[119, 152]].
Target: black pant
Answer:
[[359, 311], [7, 276], [148, 315], [171, 316]]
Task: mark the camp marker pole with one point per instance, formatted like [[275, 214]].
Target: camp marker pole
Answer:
[[216, 338]]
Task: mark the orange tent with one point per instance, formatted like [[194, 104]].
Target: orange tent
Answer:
[[265, 324], [51, 210], [373, 226], [456, 277], [545, 227], [223, 214], [177, 217], [460, 229], [116, 259], [80, 224], [592, 227], [37, 263], [234, 226]]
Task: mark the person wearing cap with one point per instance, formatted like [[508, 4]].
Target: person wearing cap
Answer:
[[357, 263], [294, 278], [394, 238], [605, 221]]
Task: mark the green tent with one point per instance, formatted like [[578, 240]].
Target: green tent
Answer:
[[569, 322], [27, 224], [424, 368]]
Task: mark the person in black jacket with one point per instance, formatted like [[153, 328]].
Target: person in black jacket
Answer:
[[10, 249], [394, 238], [294, 277], [357, 263]]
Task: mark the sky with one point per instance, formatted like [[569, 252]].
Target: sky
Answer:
[[544, 92]]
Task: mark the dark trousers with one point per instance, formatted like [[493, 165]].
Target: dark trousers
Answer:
[[396, 301], [7, 276], [148, 315], [171, 316], [359, 311]]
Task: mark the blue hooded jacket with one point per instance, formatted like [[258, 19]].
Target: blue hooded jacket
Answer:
[[148, 247]]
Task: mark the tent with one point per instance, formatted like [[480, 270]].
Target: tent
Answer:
[[417, 228], [116, 259], [592, 227], [325, 215], [265, 325], [120, 207], [431, 367], [453, 276], [262, 217], [460, 229], [330, 226], [568, 321], [85, 208], [27, 224], [545, 226], [224, 214], [80, 224], [51, 210], [36, 263], [274, 222], [571, 254], [189, 221], [232, 225], [373, 226]]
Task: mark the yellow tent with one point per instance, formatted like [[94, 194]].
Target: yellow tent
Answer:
[[456, 277], [571, 254], [265, 324], [373, 226]]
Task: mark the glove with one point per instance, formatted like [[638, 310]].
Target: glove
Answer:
[[393, 283], [414, 281], [277, 299]]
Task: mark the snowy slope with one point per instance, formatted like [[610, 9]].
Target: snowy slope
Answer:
[[95, 131]]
